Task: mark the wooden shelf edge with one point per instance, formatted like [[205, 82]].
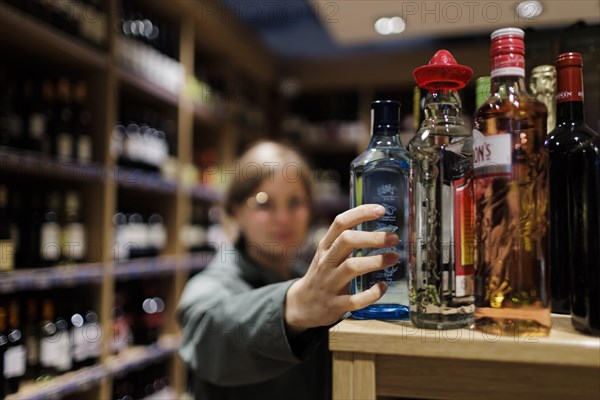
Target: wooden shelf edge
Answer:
[[143, 180], [564, 345], [79, 381], [46, 278], [138, 356], [40, 37], [28, 162], [72, 382], [138, 83], [93, 273]]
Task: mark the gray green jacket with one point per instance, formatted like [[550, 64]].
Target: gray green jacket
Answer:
[[234, 336]]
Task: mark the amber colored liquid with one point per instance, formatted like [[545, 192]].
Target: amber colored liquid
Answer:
[[511, 220]]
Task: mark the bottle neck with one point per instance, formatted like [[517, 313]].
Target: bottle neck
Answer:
[[442, 107], [569, 96], [569, 111], [509, 86]]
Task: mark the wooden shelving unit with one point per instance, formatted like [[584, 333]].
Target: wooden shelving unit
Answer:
[[103, 182]]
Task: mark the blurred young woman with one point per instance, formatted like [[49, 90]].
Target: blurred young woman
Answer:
[[255, 320]]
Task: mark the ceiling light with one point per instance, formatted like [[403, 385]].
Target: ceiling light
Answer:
[[529, 9], [397, 25], [382, 26], [388, 26]]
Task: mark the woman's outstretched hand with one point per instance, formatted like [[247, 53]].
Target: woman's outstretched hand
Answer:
[[321, 297]]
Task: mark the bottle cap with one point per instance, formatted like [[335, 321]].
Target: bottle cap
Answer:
[[508, 41], [442, 72], [385, 115], [569, 59]]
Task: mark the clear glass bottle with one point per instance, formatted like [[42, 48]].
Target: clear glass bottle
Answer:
[[510, 169], [441, 156], [380, 176]]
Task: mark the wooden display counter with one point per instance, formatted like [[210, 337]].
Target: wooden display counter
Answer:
[[393, 358]]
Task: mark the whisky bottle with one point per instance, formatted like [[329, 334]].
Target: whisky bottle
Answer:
[[380, 176], [511, 191], [441, 181], [574, 203]]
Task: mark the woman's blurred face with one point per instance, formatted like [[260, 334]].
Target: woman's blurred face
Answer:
[[275, 218]]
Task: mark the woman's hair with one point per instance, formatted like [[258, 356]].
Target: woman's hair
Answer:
[[262, 161]]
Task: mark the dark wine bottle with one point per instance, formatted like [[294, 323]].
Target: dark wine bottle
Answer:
[[7, 245], [73, 233], [15, 354], [3, 347], [50, 232], [32, 339], [49, 348], [63, 135], [35, 118], [574, 202], [82, 121], [64, 357]]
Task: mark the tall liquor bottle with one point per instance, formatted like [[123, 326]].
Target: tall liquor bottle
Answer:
[[511, 191], [543, 87], [380, 175], [15, 355], [574, 203], [441, 181], [49, 341]]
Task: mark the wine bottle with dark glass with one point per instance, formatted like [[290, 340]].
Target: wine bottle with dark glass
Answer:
[[15, 354], [574, 202]]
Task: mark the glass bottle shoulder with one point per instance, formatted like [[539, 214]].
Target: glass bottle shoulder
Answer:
[[570, 135], [394, 155]]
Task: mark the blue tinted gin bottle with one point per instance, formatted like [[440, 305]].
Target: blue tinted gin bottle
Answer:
[[380, 176], [441, 156]]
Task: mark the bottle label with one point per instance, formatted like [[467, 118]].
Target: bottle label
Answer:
[[50, 241], [84, 148], [14, 362], [7, 255], [49, 350], [73, 243], [63, 360], [492, 155], [463, 236], [388, 188], [37, 126], [65, 146], [508, 65], [92, 335], [79, 348], [569, 85]]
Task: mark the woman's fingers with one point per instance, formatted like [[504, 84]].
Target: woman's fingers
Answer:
[[349, 240], [356, 266], [349, 219], [363, 299]]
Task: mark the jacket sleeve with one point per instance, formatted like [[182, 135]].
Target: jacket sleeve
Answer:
[[236, 339]]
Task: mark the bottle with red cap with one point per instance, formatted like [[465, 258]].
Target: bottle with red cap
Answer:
[[574, 203], [510, 165], [441, 156]]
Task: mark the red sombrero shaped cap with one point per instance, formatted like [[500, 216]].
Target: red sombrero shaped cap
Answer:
[[442, 72]]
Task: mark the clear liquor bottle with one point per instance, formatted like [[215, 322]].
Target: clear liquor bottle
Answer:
[[511, 199], [380, 176], [441, 156]]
